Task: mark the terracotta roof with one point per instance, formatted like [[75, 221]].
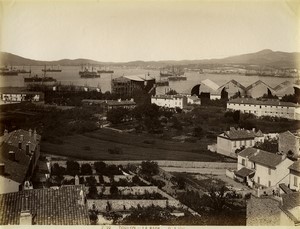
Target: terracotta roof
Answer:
[[285, 188], [266, 158], [14, 138], [47, 206], [15, 170], [244, 172], [239, 134], [295, 166], [262, 102], [291, 206]]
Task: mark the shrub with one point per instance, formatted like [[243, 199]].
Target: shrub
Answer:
[[100, 167], [91, 181], [86, 169], [72, 168]]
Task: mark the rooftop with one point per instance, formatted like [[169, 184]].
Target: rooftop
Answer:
[[244, 172], [17, 90], [109, 102], [47, 206], [168, 96], [248, 152], [291, 206], [262, 102], [15, 170], [295, 166], [266, 158], [240, 133], [258, 82], [140, 78]]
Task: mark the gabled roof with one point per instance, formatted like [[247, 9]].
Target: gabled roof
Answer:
[[248, 152], [235, 83], [47, 206], [14, 137], [255, 84], [266, 158], [14, 170], [283, 85], [235, 134], [295, 166], [209, 83]]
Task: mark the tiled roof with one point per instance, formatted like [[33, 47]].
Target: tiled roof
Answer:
[[244, 172], [295, 166], [168, 96], [266, 158], [252, 101], [285, 188], [291, 206], [239, 134], [15, 136], [248, 152], [211, 84], [263, 212], [47, 206], [235, 83], [14, 170], [121, 103]]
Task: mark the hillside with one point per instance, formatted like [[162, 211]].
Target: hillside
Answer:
[[265, 57]]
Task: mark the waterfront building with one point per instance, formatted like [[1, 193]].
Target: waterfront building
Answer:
[[265, 107], [170, 101], [14, 95], [258, 89], [126, 85]]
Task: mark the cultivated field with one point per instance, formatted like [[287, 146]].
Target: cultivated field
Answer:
[[96, 145]]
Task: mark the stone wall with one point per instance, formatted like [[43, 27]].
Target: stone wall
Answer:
[[124, 190]]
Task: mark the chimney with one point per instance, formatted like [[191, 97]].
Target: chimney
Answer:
[[81, 198], [28, 148], [12, 155], [21, 137], [253, 129], [30, 132], [76, 180], [34, 135], [20, 145], [2, 169], [25, 215]]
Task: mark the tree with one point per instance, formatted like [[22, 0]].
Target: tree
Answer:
[[117, 115], [172, 92], [73, 168], [149, 168], [198, 131], [270, 145], [114, 191], [91, 181], [86, 169], [93, 192], [236, 116], [100, 167], [217, 198], [57, 170]]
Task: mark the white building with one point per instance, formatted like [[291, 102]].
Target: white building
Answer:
[[12, 95], [170, 101], [193, 100], [263, 168], [229, 141], [260, 108]]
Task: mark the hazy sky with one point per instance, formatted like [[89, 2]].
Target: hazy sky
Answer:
[[147, 30]]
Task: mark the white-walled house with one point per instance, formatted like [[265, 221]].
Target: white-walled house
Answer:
[[294, 176], [269, 169], [229, 141], [193, 100], [170, 101], [273, 108]]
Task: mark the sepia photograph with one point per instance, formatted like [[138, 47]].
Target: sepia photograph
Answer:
[[150, 114]]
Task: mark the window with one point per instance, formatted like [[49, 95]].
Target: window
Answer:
[[234, 144], [258, 180], [269, 171], [295, 181], [243, 162]]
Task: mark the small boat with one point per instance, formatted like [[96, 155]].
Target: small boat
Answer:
[[105, 71], [177, 78]]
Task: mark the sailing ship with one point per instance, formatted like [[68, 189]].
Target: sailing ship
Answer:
[[5, 71], [24, 70], [51, 69], [38, 79], [86, 73]]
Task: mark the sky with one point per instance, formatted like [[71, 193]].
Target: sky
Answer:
[[130, 30]]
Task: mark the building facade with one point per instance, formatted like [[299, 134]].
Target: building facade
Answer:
[[273, 108], [288, 141], [229, 141], [170, 101], [294, 176]]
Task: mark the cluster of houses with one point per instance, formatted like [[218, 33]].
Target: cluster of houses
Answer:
[[275, 177]]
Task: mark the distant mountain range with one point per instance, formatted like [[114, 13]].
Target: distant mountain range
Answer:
[[265, 57]]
